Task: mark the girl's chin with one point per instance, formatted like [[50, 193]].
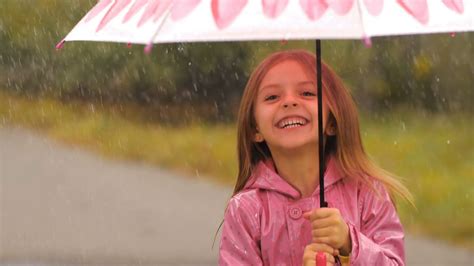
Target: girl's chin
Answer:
[[296, 146]]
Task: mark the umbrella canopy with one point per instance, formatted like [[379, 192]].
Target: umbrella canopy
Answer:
[[161, 21]]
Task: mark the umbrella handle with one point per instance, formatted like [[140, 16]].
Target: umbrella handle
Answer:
[[320, 259]]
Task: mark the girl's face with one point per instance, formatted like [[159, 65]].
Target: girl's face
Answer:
[[286, 108]]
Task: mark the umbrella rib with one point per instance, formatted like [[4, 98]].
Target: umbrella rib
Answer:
[[366, 37], [160, 26]]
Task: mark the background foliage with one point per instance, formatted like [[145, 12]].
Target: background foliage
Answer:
[[432, 72]]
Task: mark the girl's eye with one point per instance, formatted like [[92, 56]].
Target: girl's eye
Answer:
[[309, 93], [271, 97]]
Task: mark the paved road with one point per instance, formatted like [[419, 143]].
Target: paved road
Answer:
[[64, 206]]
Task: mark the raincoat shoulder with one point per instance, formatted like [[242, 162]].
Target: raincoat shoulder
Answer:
[[240, 243]]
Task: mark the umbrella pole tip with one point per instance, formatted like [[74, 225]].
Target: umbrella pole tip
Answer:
[[148, 48], [367, 42], [60, 45]]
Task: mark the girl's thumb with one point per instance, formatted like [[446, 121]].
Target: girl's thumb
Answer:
[[306, 215]]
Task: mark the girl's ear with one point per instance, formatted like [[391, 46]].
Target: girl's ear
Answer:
[[258, 137], [331, 128]]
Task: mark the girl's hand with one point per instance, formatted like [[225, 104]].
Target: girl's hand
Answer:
[[329, 228], [310, 251]]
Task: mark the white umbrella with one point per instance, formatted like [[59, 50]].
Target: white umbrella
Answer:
[[162, 21]]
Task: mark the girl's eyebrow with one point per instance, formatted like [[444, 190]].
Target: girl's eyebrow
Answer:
[[277, 85], [306, 82]]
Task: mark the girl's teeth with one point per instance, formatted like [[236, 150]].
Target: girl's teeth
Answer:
[[293, 123]]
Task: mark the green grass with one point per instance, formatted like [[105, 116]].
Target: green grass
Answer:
[[107, 132], [434, 154]]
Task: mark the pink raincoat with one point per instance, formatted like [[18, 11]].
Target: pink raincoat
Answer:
[[264, 224]]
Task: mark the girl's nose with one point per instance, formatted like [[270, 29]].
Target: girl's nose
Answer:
[[290, 101], [286, 105]]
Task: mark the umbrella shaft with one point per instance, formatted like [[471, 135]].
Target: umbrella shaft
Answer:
[[320, 123]]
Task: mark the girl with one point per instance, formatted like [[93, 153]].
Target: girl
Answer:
[[273, 217]]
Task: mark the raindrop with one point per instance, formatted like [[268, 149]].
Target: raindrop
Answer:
[[189, 63], [448, 142], [395, 143]]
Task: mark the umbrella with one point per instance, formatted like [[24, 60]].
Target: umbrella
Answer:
[[163, 21]]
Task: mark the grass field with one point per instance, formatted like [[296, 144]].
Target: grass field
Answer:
[[434, 154]]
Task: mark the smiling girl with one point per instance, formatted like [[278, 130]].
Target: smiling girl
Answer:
[[273, 217]]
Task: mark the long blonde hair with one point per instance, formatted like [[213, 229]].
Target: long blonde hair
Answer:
[[346, 146]]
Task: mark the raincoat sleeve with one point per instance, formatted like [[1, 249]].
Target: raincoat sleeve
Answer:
[[240, 241], [380, 240]]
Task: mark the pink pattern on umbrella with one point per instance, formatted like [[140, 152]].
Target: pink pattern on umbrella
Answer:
[[314, 9], [134, 9], [417, 8], [340, 7], [116, 8], [225, 11], [155, 10], [273, 8], [182, 8], [97, 9], [456, 5], [374, 6]]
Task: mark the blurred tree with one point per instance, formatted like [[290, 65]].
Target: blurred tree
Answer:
[[433, 72], [211, 74], [407, 71]]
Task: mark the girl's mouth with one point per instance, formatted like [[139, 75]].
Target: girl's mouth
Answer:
[[292, 122]]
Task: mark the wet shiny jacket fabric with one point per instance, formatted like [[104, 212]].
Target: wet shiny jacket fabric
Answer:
[[264, 224]]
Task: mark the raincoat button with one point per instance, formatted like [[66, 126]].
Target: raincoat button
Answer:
[[295, 213]]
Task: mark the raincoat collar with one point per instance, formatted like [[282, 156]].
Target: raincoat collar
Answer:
[[265, 177]]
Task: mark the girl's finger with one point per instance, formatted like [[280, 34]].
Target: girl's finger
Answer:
[[330, 260], [324, 222], [320, 247], [326, 212], [324, 240], [328, 231], [319, 213]]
